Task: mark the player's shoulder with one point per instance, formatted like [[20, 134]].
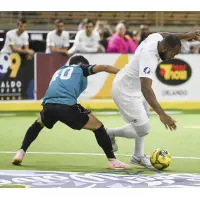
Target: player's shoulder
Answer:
[[51, 33], [65, 33], [74, 66], [95, 33], [25, 34], [155, 36], [81, 32], [11, 32]]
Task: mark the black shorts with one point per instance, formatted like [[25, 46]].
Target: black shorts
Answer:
[[76, 116]]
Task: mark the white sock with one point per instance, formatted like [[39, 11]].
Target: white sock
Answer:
[[126, 131], [139, 147]]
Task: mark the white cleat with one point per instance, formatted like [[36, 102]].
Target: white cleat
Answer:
[[18, 157], [114, 144], [141, 161]]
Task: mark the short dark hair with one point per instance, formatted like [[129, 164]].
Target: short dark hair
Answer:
[[21, 21], [57, 21], [78, 60], [90, 22], [172, 41]]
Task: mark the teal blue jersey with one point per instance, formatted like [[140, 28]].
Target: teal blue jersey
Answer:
[[67, 84]]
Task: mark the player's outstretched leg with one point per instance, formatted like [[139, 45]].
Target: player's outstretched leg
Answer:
[[104, 142], [30, 136]]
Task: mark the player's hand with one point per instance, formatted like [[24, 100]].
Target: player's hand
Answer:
[[29, 57], [168, 122], [101, 49], [64, 51], [30, 52], [195, 35]]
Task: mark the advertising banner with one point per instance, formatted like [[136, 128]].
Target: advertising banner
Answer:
[[16, 77], [175, 80], [178, 79]]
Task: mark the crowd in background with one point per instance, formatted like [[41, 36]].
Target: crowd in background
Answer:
[[120, 40], [91, 37]]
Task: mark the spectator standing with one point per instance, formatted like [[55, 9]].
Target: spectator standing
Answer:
[[144, 29], [119, 42], [136, 38], [17, 40], [86, 40], [57, 40], [128, 33], [103, 27], [105, 32], [82, 24]]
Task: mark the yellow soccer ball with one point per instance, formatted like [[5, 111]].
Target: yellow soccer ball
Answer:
[[160, 159]]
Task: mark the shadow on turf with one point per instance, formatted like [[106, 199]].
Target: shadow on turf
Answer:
[[135, 170]]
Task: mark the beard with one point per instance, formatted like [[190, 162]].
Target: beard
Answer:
[[163, 55], [59, 31]]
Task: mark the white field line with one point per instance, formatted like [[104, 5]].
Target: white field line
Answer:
[[90, 154], [192, 127], [8, 114]]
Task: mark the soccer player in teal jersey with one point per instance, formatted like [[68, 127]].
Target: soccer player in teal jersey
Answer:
[[60, 104]]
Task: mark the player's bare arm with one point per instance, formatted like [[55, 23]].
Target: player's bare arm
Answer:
[[26, 50], [149, 95], [17, 50], [57, 50], [105, 68], [185, 36]]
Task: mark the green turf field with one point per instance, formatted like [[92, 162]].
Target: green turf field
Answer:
[[182, 143]]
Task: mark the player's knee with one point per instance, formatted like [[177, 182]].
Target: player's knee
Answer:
[[142, 130], [39, 121], [98, 124]]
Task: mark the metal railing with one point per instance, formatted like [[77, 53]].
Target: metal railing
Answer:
[[45, 20]]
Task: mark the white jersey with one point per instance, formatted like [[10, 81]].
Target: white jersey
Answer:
[[58, 41], [85, 44], [13, 39], [143, 64]]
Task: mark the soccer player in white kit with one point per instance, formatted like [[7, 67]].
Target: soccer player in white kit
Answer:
[[58, 40], [132, 90], [17, 40]]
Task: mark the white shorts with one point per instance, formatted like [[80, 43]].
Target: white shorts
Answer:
[[134, 110]]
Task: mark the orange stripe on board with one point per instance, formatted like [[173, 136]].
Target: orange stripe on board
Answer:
[[105, 92]]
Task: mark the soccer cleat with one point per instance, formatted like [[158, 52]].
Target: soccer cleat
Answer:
[[18, 157], [141, 161], [116, 164], [114, 144]]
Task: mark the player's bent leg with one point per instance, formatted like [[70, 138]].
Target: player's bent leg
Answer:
[[30, 136], [93, 123], [104, 142], [126, 131], [142, 130]]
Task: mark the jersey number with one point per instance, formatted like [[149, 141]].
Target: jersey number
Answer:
[[63, 75]]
